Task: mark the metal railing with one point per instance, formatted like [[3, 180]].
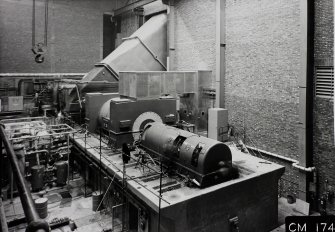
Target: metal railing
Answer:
[[35, 223]]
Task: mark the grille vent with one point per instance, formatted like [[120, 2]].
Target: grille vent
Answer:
[[324, 86]]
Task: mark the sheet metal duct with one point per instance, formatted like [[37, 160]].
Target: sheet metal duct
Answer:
[[144, 50]]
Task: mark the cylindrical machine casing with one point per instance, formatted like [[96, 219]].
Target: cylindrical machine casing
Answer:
[[96, 199], [37, 177], [61, 172], [104, 113], [199, 155], [41, 205], [20, 155]]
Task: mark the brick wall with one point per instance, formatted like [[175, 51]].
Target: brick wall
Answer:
[[324, 148], [74, 35], [194, 35], [324, 30], [129, 24], [262, 68]]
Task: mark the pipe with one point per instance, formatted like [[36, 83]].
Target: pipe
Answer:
[[170, 35], [46, 75], [309, 169], [295, 163], [33, 220]]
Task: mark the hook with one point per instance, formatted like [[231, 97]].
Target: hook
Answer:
[[39, 58]]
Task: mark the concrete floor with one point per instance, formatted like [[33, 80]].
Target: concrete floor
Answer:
[[285, 209], [78, 209]]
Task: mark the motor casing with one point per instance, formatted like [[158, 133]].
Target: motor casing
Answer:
[[206, 161]]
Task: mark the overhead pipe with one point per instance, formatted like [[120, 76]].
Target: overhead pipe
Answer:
[[49, 76], [170, 34], [35, 223]]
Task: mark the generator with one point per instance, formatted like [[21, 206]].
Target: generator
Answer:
[[128, 117], [206, 161]]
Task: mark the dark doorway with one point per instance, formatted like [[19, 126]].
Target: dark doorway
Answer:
[[133, 218], [109, 35]]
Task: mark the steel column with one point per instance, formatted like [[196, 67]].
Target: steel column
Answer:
[[305, 82]]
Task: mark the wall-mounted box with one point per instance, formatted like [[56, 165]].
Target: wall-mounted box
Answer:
[[15, 103], [218, 124]]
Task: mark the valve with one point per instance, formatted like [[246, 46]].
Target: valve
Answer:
[[234, 223]]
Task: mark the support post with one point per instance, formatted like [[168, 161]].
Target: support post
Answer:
[[220, 49], [1, 168], [305, 82]]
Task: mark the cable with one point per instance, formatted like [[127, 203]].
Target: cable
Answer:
[[33, 25], [46, 14]]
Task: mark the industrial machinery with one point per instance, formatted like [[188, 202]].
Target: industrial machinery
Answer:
[[122, 119], [144, 50], [169, 179], [128, 117], [205, 161], [42, 150]]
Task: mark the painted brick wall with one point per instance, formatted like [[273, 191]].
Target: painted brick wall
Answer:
[[129, 24], [324, 30], [324, 148], [74, 35], [262, 68], [195, 35]]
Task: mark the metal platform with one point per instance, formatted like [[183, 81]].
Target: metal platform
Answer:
[[253, 197]]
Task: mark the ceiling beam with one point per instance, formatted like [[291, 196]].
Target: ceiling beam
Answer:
[[131, 7]]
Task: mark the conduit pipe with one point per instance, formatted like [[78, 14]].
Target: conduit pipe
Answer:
[[33, 220], [295, 163]]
